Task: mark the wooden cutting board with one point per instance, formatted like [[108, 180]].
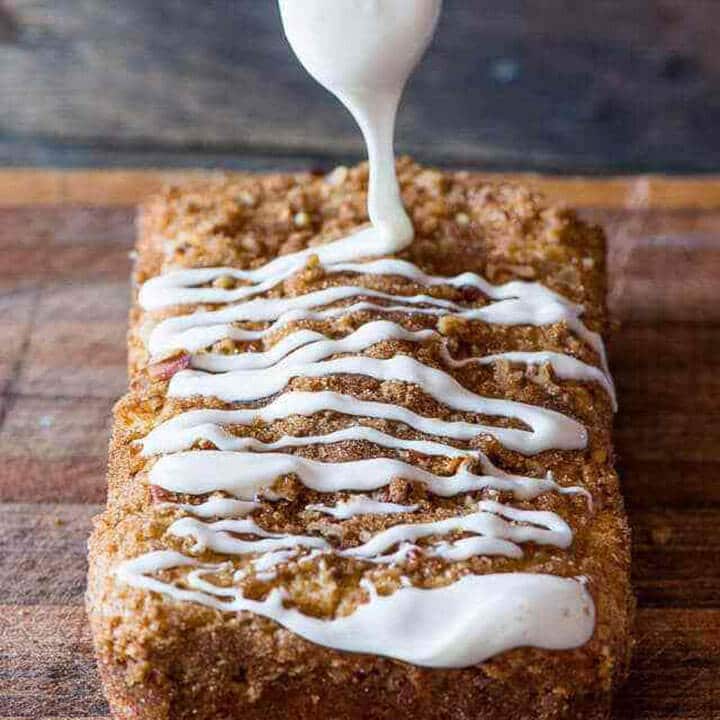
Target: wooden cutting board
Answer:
[[64, 243]]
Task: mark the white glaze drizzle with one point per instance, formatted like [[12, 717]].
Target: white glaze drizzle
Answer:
[[503, 529], [491, 519], [549, 429], [201, 329], [245, 475], [463, 623], [471, 619], [271, 560], [182, 468], [310, 346], [218, 537], [361, 505], [217, 507], [180, 432], [185, 287]]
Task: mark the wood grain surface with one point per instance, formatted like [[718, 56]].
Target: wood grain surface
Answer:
[[64, 243], [551, 85]]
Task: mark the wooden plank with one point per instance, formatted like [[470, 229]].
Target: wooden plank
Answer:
[[131, 186], [610, 85], [53, 227], [16, 314], [678, 357], [48, 153], [124, 187], [646, 291], [44, 553], [676, 662], [43, 669], [668, 379], [676, 558], [56, 671], [668, 482], [680, 217], [680, 247], [23, 188], [54, 449], [81, 244], [76, 346]]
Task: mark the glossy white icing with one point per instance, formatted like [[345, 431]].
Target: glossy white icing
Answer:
[[549, 429], [361, 505], [245, 475], [219, 537], [190, 286], [199, 330], [503, 528], [179, 432], [310, 346], [463, 623], [219, 507]]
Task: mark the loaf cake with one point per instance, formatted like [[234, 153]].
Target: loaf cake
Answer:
[[372, 488]]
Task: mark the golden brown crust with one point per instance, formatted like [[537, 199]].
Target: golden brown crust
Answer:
[[163, 660]]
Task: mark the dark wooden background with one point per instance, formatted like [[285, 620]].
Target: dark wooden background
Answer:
[[599, 86]]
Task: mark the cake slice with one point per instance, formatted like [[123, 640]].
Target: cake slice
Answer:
[[364, 487]]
